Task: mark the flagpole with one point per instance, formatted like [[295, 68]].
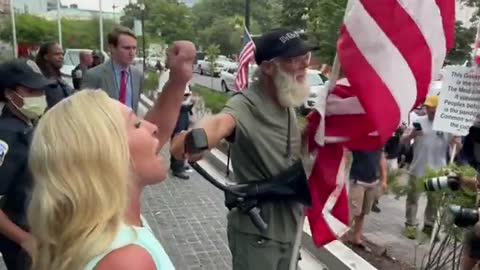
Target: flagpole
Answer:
[[14, 30], [59, 24], [101, 24], [321, 102]]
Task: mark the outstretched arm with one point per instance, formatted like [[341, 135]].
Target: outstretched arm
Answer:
[[164, 113]]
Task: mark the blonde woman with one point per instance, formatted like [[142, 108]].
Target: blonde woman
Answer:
[[91, 158]]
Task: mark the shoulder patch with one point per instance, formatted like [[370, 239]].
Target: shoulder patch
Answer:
[[3, 151]]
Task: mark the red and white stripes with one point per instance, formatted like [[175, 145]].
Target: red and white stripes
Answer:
[[246, 56], [389, 51]]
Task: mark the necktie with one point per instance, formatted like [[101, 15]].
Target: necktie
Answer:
[[123, 87]]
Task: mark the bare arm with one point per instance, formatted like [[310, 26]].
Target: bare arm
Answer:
[[457, 142], [11, 230], [164, 113], [383, 168], [217, 127], [131, 257], [407, 136]]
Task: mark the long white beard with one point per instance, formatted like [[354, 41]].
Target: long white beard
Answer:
[[290, 92]]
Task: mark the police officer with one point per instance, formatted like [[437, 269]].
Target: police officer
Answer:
[[22, 89], [86, 61]]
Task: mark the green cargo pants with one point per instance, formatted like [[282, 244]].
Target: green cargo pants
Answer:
[[253, 252]]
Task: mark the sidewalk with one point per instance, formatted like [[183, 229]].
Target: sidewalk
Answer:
[[385, 229], [189, 219]]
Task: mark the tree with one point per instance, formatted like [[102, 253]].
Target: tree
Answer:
[[212, 54], [324, 20], [131, 13], [227, 33], [464, 38], [30, 29], [75, 33], [207, 11], [168, 20], [470, 3], [172, 20], [294, 14]]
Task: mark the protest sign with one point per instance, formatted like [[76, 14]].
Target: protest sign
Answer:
[[459, 100]]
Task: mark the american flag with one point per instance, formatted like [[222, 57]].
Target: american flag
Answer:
[[389, 51], [246, 56]]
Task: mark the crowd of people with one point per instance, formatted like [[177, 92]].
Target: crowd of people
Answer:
[[74, 162]]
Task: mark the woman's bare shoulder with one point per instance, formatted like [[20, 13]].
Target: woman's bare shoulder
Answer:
[[131, 257]]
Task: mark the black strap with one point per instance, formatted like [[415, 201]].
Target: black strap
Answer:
[[289, 147], [228, 159]]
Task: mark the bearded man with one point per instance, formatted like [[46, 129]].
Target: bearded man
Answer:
[[261, 125]]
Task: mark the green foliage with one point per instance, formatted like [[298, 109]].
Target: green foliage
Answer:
[[464, 38], [151, 81], [165, 20], [30, 29], [212, 53], [295, 14], [75, 33], [226, 32], [324, 21], [462, 197], [222, 21], [214, 100], [448, 247]]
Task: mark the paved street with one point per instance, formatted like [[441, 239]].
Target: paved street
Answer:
[[188, 217], [207, 81]]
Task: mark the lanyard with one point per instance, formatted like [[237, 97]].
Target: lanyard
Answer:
[[117, 84]]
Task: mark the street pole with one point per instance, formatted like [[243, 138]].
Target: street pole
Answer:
[[101, 25], [14, 30], [143, 37], [114, 18], [247, 14], [59, 24]]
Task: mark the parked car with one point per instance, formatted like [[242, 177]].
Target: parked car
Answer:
[[204, 66], [316, 84], [228, 75]]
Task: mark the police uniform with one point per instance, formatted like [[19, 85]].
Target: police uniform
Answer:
[[15, 139], [77, 75]]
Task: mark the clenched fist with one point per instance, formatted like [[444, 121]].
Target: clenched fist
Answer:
[[180, 59]]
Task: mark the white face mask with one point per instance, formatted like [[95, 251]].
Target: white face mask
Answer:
[[33, 107]]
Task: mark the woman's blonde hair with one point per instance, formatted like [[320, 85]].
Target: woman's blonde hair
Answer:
[[80, 163]]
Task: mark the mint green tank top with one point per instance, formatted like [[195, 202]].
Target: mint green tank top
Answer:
[[140, 236]]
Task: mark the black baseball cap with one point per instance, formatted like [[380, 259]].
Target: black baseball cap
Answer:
[[281, 43], [22, 72]]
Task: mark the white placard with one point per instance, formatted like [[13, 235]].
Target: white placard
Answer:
[[459, 100]]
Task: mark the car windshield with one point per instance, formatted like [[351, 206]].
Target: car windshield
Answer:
[[72, 58], [314, 79]]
